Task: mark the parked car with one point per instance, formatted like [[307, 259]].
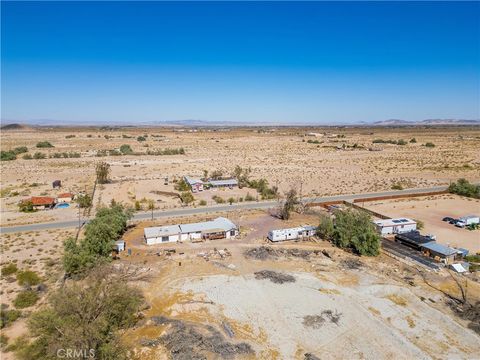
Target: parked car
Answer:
[[453, 221], [448, 219]]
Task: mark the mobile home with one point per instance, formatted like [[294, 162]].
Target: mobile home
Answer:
[[395, 226], [292, 233]]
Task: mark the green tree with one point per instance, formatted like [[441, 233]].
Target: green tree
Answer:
[[84, 315], [325, 228], [103, 171], [464, 188], [354, 230], [182, 185], [151, 206], [26, 206], [291, 201], [84, 200]]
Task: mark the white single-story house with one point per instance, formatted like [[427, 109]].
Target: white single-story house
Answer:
[[219, 228], [198, 185], [395, 226], [296, 233], [223, 183], [65, 198]]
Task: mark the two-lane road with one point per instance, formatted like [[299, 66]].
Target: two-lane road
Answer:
[[221, 208]]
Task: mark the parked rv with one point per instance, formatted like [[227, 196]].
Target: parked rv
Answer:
[[467, 220]]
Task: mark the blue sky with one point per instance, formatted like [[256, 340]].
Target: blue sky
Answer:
[[283, 62]]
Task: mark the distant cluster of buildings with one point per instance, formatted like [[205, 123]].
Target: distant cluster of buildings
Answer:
[[197, 185]]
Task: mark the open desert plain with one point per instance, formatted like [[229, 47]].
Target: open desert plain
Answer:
[[246, 297]]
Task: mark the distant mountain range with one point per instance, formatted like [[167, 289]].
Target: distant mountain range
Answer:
[[29, 125], [398, 122]]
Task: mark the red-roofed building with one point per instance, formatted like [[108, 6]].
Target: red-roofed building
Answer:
[[42, 202], [65, 198]]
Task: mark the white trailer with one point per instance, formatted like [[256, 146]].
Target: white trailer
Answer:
[[395, 226], [292, 233], [468, 220]]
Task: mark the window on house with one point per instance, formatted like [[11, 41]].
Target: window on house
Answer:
[[164, 238]]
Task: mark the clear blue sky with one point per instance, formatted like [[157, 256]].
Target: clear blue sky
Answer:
[[282, 62]]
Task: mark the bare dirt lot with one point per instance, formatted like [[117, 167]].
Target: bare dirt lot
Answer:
[[336, 161], [431, 210]]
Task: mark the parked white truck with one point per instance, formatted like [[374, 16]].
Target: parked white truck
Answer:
[[467, 220]]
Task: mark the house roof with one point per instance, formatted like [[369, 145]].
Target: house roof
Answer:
[[226, 182], [216, 225], [394, 222], [440, 249], [288, 230], [414, 237], [65, 195], [192, 181], [42, 200]]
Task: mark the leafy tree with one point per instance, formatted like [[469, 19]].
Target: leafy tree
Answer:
[[151, 206], [84, 315], [325, 228], [98, 243], [205, 175], [44, 144], [291, 201], [84, 200], [26, 206], [217, 174], [218, 199], [354, 230], [125, 149], [231, 200], [182, 185], [464, 188], [138, 206], [103, 171]]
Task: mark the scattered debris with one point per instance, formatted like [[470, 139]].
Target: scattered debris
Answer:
[[316, 321], [267, 252], [352, 263], [275, 277], [215, 254], [185, 341], [468, 312]]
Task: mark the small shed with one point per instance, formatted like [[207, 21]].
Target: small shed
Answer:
[[120, 245], [56, 184], [440, 252]]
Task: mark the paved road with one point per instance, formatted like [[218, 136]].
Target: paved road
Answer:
[[220, 208]]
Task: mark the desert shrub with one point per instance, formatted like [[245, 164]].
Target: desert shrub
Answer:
[[401, 142], [28, 278], [27, 157], [141, 138], [102, 170], [69, 136], [84, 315], [26, 206], [420, 224], [138, 206], [413, 140], [218, 199], [20, 150], [126, 136], [397, 186], [8, 316], [464, 188], [25, 299], [44, 144], [263, 189], [430, 145], [314, 142], [231, 200], [354, 230], [39, 155], [186, 197], [9, 269], [126, 149], [291, 201], [249, 197], [179, 151], [202, 203], [7, 155]]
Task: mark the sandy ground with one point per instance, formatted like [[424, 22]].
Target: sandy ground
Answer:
[[431, 210], [283, 156]]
